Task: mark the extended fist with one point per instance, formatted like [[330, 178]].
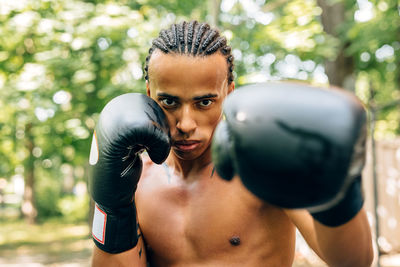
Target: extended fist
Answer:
[[292, 145]]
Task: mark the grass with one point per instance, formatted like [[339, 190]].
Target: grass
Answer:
[[52, 243]]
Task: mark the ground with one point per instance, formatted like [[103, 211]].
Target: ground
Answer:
[[60, 244], [48, 244]]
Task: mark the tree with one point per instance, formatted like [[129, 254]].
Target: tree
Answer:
[[61, 61], [340, 70], [349, 44]]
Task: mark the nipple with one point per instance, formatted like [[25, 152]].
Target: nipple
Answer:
[[235, 241]]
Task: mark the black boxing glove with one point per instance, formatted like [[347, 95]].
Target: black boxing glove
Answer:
[[128, 124], [295, 146]]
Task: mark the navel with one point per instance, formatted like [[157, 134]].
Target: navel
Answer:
[[235, 240]]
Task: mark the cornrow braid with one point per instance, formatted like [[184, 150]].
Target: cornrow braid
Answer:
[[200, 30], [192, 38], [181, 36], [190, 34], [207, 40], [164, 36], [215, 45]]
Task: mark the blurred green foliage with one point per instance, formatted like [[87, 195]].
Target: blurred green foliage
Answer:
[[61, 61]]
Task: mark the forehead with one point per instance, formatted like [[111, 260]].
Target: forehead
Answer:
[[177, 72]]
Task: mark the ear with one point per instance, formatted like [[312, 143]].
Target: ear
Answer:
[[148, 88], [231, 87]]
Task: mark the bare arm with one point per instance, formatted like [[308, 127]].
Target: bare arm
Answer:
[[347, 245], [135, 257]]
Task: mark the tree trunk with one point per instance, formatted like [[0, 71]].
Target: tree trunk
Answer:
[[29, 210], [214, 7], [340, 71]]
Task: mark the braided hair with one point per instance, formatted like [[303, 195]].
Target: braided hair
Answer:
[[192, 38]]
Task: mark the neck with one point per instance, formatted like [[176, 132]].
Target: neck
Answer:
[[190, 167]]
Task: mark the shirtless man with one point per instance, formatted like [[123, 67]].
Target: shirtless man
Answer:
[[181, 212]]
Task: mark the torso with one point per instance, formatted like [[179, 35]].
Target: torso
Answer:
[[207, 221]]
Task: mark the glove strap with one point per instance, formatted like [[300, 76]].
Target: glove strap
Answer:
[[115, 230]]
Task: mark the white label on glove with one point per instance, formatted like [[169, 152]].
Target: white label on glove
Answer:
[[94, 151], [99, 225]]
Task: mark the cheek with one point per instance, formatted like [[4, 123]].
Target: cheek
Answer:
[[171, 120], [211, 118]]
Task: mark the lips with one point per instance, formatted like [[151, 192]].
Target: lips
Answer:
[[186, 145]]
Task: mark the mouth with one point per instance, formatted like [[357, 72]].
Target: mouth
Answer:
[[186, 145]]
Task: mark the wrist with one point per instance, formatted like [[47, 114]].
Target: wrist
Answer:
[[115, 230]]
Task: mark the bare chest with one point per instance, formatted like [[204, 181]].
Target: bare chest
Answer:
[[207, 216]]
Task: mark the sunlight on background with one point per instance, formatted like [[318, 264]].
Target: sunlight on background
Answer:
[[61, 61], [365, 11]]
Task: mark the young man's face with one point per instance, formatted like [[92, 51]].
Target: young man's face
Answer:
[[191, 91]]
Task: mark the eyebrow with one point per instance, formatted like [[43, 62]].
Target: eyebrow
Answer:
[[205, 96], [196, 98], [167, 96]]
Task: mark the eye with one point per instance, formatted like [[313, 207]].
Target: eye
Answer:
[[205, 102], [168, 102]]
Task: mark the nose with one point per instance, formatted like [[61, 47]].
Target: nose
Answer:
[[186, 124]]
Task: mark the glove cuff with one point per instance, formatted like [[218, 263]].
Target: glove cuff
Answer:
[[345, 210], [115, 230]]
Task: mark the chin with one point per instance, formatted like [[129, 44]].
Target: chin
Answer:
[[193, 155], [185, 156]]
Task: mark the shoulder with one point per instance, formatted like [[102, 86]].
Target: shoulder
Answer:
[[152, 173], [148, 165], [153, 179], [146, 160]]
